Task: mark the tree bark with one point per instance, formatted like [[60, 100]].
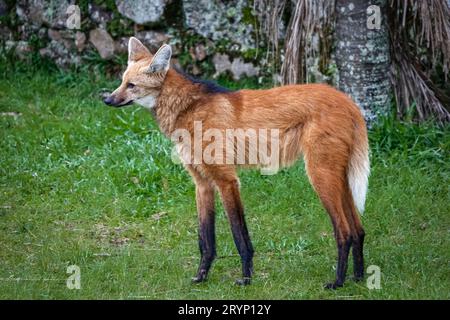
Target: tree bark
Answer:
[[362, 55]]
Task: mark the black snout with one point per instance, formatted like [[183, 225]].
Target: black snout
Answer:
[[109, 100], [114, 102]]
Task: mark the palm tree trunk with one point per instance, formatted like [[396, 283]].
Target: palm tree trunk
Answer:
[[362, 55]]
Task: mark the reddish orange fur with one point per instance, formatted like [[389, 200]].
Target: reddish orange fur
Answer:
[[314, 120]]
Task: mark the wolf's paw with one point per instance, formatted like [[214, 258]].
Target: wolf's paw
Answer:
[[243, 282], [200, 277], [333, 285], [358, 277]]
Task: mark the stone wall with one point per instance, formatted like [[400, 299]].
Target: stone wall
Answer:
[[208, 36]]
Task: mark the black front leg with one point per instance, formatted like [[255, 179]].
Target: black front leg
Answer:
[[233, 206], [206, 232], [207, 246], [244, 246]]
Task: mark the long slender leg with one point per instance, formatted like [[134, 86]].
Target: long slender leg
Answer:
[[331, 187], [358, 256], [229, 191], [206, 232], [343, 240], [342, 263], [358, 234]]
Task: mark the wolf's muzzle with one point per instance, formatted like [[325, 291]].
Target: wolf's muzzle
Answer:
[[111, 101]]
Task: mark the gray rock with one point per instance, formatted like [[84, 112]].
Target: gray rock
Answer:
[[175, 63], [55, 14], [99, 15], [152, 39], [142, 11], [54, 35], [62, 56], [198, 53], [21, 48], [68, 38], [221, 63], [30, 13], [121, 45], [40, 12], [103, 42], [196, 70], [219, 20], [3, 8], [80, 41], [25, 31], [5, 33], [238, 67]]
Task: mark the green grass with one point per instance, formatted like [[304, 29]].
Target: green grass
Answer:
[[84, 184]]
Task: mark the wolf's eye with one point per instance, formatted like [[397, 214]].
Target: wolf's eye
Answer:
[[130, 85]]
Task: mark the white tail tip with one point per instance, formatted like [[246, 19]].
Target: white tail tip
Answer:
[[358, 177]]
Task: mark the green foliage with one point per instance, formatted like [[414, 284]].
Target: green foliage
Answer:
[[411, 142], [108, 4], [188, 41], [249, 18], [36, 42], [10, 64], [120, 27], [245, 83], [10, 19], [173, 14], [255, 55]]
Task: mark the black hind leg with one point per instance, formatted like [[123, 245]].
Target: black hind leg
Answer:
[[358, 256], [342, 263]]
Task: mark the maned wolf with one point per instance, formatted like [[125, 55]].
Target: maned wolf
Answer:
[[315, 121]]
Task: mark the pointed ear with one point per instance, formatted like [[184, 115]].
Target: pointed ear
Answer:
[[161, 60], [136, 50]]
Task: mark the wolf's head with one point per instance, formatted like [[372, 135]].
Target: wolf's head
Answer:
[[144, 76]]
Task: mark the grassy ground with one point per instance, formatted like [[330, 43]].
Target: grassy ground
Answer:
[[93, 186]]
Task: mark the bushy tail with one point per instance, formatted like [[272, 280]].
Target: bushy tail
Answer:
[[358, 174]]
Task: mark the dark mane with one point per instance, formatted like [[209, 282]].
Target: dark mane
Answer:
[[208, 86]]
